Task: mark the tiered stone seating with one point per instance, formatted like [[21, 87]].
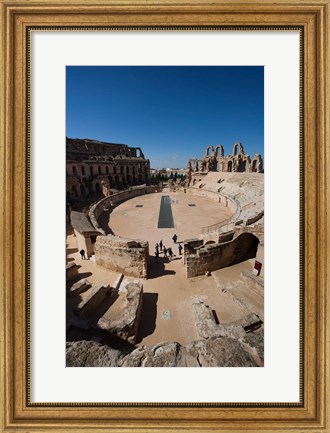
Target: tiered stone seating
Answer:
[[246, 189]]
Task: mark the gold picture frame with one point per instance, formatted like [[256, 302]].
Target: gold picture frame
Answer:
[[17, 413]]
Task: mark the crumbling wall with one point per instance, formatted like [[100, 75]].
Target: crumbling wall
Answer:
[[118, 197], [126, 327], [126, 256], [216, 256]]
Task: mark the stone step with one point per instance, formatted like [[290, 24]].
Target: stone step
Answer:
[[92, 299], [71, 271], [78, 287]]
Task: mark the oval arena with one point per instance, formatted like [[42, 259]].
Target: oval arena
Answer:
[[126, 298]]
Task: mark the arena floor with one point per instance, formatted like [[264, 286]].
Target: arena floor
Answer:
[[138, 218]]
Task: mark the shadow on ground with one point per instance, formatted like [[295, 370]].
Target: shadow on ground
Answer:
[[148, 316], [156, 267]]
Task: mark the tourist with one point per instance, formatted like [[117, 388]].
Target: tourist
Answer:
[[165, 251], [180, 249], [170, 253], [156, 253], [161, 245], [157, 248], [175, 238], [82, 253]]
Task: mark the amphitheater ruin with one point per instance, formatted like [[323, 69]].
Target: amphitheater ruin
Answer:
[[127, 305]]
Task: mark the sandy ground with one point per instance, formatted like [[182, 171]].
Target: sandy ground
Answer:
[[133, 222], [167, 311]]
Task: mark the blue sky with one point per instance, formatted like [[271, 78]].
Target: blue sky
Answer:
[[172, 113]]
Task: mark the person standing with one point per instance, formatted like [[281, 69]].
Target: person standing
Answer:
[[180, 249], [165, 251], [175, 238], [157, 248], [170, 253], [82, 253], [161, 245]]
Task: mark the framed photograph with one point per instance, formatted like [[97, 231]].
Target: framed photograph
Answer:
[[164, 216]]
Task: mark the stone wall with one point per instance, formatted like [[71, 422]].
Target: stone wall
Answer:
[[216, 256], [126, 256], [126, 327], [84, 243], [114, 199]]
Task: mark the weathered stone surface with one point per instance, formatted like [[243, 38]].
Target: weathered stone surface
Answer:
[[207, 326], [165, 354], [79, 287], [92, 300], [214, 352], [255, 342], [91, 354], [127, 325], [219, 255], [205, 322], [127, 256], [220, 352]]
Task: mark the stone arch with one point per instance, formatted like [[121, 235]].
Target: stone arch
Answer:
[[208, 150], [219, 165], [129, 179], [74, 191], [106, 169], [83, 170], [254, 166], [116, 179], [74, 170], [230, 166], [246, 246], [83, 190], [238, 149], [127, 169], [114, 169], [110, 181], [91, 170], [222, 152], [98, 189], [209, 242], [99, 169]]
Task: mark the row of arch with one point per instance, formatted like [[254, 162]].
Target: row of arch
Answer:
[[238, 149], [96, 186], [94, 171]]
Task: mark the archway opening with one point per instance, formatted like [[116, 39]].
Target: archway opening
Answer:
[[246, 247], [74, 191], [97, 188], [230, 166]]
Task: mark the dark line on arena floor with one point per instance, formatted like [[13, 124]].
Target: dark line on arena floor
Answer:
[[165, 219]]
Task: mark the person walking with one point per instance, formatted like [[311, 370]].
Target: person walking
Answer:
[[157, 248], [165, 251], [82, 253], [156, 253], [170, 253], [161, 245], [175, 238], [180, 248]]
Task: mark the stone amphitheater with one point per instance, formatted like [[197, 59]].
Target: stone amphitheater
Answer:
[[204, 307]]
